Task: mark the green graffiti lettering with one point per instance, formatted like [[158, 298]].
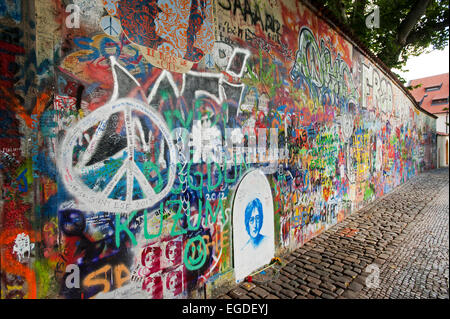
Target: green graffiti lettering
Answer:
[[174, 232], [124, 227], [195, 253], [150, 166], [226, 179], [185, 123], [219, 178], [169, 119], [213, 216]]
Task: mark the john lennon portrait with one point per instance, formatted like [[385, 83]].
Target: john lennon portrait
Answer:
[[253, 224], [254, 218]]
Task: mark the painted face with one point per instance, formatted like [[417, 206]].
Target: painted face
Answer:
[[149, 257], [254, 223], [173, 282], [150, 286], [172, 252], [153, 286]]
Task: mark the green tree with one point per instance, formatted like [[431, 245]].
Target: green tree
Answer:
[[406, 27]]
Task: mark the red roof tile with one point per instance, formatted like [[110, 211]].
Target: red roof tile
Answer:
[[442, 93]]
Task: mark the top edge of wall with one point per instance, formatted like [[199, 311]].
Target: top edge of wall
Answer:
[[326, 15]]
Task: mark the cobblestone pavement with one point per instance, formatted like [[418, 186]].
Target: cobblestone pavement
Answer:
[[396, 247]]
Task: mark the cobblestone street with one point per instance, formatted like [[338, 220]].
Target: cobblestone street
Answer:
[[396, 247]]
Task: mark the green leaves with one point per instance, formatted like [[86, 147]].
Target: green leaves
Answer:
[[403, 30]]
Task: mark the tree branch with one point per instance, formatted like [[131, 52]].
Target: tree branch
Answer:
[[337, 7], [426, 31], [407, 25], [358, 12]]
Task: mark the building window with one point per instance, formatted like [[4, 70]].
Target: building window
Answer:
[[433, 88], [439, 101]]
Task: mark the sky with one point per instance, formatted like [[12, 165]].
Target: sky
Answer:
[[427, 64]]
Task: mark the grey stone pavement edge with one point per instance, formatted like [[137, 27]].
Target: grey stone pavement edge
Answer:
[[395, 248]]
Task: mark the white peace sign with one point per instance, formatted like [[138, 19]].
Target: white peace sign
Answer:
[[99, 200]]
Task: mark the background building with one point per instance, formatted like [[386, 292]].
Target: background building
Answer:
[[432, 95]]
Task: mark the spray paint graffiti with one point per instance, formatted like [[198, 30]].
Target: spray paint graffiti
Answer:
[[12, 9], [106, 122], [127, 174], [170, 33], [326, 76], [22, 246]]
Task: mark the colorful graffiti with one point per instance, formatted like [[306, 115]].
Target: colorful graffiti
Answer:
[[162, 158], [171, 34]]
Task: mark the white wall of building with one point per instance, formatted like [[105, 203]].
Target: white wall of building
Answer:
[[442, 148], [441, 121]]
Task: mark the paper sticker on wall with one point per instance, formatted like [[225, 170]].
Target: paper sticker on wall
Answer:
[[253, 224], [171, 34]]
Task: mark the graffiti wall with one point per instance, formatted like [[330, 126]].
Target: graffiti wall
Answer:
[[169, 148]]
